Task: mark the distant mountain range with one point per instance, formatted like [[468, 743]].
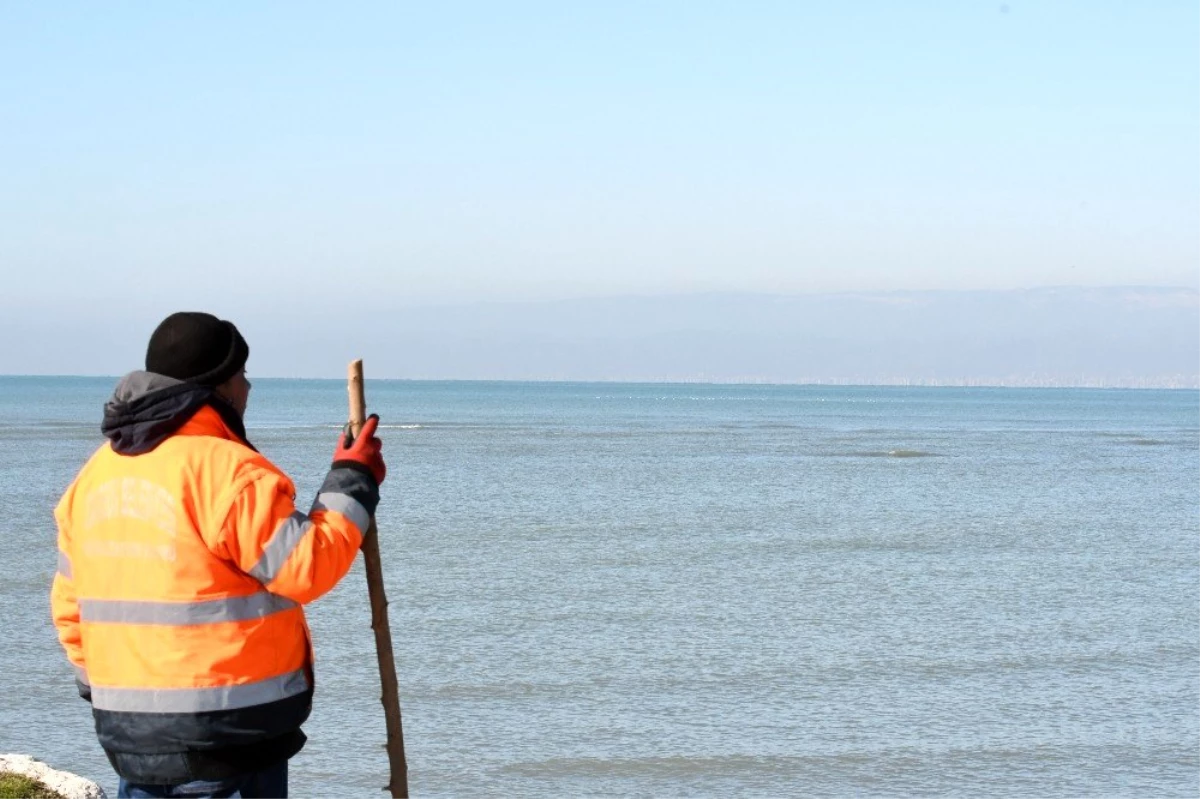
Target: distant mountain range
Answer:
[[1126, 336]]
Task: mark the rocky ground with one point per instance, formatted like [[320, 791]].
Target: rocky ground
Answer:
[[69, 785]]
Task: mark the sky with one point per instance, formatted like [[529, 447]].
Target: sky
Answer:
[[314, 157]]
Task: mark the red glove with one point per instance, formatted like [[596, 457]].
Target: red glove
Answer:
[[366, 451]]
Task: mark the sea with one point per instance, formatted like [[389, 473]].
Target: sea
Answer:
[[694, 590]]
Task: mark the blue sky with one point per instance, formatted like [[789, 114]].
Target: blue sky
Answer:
[[230, 156]]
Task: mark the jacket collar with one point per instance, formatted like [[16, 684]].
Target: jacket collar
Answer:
[[148, 408], [207, 421]]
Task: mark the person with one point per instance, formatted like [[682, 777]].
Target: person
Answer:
[[183, 566]]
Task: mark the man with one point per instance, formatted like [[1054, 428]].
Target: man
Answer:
[[183, 565]]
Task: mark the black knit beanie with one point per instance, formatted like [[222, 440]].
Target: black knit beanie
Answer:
[[196, 348]]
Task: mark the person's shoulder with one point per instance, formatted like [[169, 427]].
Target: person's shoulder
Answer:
[[251, 466], [228, 462], [243, 457], [102, 462], [89, 467]]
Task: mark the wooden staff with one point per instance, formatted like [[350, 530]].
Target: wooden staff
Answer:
[[390, 697]]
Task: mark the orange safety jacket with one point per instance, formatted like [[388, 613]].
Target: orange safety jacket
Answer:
[[182, 567]]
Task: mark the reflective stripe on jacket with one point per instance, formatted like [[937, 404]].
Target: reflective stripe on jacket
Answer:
[[182, 572]]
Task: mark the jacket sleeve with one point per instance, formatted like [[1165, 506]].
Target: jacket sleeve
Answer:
[[64, 607], [296, 554]]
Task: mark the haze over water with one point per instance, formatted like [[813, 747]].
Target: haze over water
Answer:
[[669, 590]]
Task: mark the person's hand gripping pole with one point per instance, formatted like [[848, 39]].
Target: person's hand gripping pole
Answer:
[[361, 450]]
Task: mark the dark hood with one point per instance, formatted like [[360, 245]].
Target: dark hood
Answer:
[[147, 408]]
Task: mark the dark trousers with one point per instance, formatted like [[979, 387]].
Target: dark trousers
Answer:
[[270, 783]]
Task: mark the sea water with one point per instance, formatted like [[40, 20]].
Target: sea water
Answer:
[[701, 590]]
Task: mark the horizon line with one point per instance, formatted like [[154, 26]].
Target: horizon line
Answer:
[[1189, 382]]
